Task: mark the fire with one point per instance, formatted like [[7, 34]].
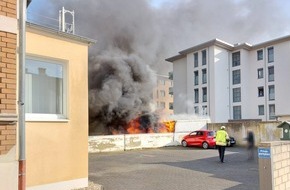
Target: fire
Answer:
[[136, 126], [170, 126]]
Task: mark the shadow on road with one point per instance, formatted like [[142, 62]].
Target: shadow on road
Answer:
[[236, 167]]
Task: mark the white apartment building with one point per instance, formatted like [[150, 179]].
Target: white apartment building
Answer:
[[233, 82], [162, 96]]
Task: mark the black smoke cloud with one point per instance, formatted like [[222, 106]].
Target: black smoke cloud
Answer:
[[133, 39]]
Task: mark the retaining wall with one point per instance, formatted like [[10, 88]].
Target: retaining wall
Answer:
[[263, 131], [123, 142]]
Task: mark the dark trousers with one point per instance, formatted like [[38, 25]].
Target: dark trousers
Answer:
[[221, 150]]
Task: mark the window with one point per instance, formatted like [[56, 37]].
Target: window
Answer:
[[272, 111], [236, 94], [204, 76], [204, 94], [270, 74], [260, 73], [236, 59], [199, 133], [270, 54], [237, 112], [196, 96], [45, 89], [261, 109], [170, 105], [203, 57], [236, 76], [162, 93], [195, 59], [261, 91], [162, 82], [272, 92], [195, 77], [157, 94], [196, 109], [204, 110], [260, 55], [162, 105]]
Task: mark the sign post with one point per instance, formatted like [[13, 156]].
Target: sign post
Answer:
[[265, 168]]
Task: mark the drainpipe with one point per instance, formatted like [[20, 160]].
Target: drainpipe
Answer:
[[21, 93]]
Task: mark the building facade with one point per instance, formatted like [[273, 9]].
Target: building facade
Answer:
[[56, 107], [162, 97], [233, 81], [8, 94]]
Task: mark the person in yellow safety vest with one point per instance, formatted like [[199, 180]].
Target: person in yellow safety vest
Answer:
[[221, 139]]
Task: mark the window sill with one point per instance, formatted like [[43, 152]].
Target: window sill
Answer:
[[47, 120], [8, 119]]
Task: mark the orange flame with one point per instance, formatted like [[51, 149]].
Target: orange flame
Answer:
[[134, 127]]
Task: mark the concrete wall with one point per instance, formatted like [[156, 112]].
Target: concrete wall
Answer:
[[218, 84], [111, 143], [263, 131], [179, 89], [274, 166]]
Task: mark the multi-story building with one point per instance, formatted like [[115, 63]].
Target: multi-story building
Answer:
[[233, 82], [162, 96]]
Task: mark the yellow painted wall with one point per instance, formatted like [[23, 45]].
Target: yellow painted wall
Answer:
[[58, 151]]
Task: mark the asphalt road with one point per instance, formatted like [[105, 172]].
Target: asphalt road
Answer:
[[174, 168]]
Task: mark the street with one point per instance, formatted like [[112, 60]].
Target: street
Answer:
[[174, 168]]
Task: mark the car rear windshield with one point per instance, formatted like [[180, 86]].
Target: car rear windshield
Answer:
[[211, 133]]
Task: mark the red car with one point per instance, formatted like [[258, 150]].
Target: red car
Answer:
[[201, 138]]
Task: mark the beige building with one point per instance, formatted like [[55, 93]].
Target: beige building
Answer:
[[56, 105], [162, 96], [56, 109]]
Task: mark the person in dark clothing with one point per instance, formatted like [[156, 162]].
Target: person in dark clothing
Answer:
[[250, 144]]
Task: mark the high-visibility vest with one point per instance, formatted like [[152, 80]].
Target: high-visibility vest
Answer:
[[221, 137]]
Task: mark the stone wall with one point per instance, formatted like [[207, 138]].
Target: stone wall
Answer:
[[263, 131], [8, 44], [274, 168]]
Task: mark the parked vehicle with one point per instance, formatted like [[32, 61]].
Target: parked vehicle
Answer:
[[232, 141], [200, 138], [204, 139]]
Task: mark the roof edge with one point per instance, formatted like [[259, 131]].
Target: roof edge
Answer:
[[60, 33]]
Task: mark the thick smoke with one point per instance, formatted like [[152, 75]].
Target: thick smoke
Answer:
[[134, 38]]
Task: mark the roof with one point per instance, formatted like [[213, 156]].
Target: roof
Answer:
[[282, 125], [227, 46], [59, 33], [28, 2], [216, 42]]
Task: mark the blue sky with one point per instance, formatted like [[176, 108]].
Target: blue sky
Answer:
[[160, 3]]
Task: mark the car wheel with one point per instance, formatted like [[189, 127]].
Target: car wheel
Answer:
[[205, 145], [184, 143]]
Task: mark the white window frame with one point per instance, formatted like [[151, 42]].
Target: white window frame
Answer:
[[260, 55], [237, 76], [261, 110], [52, 117], [203, 57], [237, 112]]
